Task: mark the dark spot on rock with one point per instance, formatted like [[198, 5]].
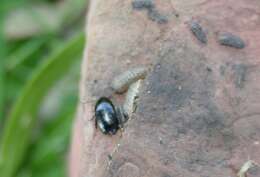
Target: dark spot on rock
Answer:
[[142, 4], [237, 72], [198, 31], [231, 40], [222, 70], [157, 67], [209, 120], [155, 16], [109, 157], [191, 108], [178, 97], [240, 71], [229, 138], [152, 12], [161, 142], [165, 175], [201, 158], [255, 170], [209, 69]]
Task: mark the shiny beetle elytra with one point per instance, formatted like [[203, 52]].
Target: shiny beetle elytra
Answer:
[[108, 118]]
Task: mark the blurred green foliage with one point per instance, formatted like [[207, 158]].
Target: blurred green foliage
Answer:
[[41, 44]]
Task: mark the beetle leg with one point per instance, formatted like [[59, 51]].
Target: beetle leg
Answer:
[[95, 122]]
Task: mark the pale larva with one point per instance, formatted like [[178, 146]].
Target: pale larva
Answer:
[[121, 83], [131, 97]]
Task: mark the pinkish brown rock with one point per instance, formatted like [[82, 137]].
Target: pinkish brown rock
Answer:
[[198, 111]]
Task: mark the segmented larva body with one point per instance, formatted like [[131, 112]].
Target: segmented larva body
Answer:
[[131, 97], [121, 83], [231, 40], [198, 31]]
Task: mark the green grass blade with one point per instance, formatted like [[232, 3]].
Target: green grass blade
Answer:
[[72, 9], [2, 99], [24, 53], [20, 123], [2, 59]]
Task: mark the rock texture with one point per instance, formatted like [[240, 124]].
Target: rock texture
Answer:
[[198, 111]]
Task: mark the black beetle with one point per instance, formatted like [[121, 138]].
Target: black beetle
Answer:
[[108, 118]]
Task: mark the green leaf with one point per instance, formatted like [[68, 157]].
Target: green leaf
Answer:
[[24, 53], [55, 138], [71, 10], [20, 123], [42, 18], [2, 60], [2, 88]]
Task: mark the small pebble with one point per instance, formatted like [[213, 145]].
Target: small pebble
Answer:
[[231, 40], [198, 31], [256, 143]]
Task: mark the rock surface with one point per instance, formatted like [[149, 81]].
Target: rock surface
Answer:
[[198, 112]]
